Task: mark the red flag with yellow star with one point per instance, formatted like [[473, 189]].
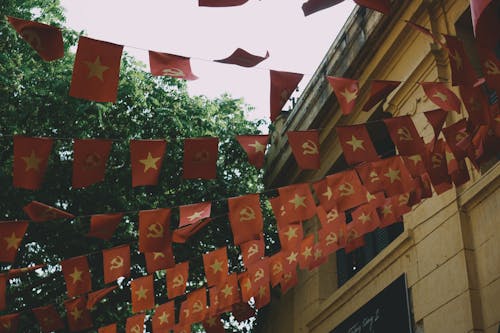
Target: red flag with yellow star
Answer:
[[228, 293], [142, 294], [135, 324], [200, 158], [220, 3], [282, 86], [146, 157], [40, 212], [164, 317], [305, 148], [405, 136], [356, 144], [96, 296], [440, 95], [89, 161], [306, 251], [11, 236], [103, 226], [116, 263], [366, 219], [216, 266], [3, 291], [291, 235], [255, 147], [108, 329], [379, 90], [48, 318], [348, 191], [346, 91], [252, 251], [9, 323], [79, 318], [245, 216], [46, 40], [176, 279], [154, 229], [213, 325], [190, 214], [96, 70], [242, 58], [462, 72], [77, 276], [156, 261], [389, 175], [164, 64], [31, 156], [388, 212], [298, 201]]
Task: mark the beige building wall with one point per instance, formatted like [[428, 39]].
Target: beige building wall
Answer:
[[450, 248]]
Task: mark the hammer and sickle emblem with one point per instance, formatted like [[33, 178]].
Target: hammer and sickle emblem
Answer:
[[135, 329], [374, 177], [331, 238], [155, 231], [403, 199], [116, 262], [93, 160], [352, 235], [491, 68], [277, 268], [247, 214], [201, 156], [404, 134], [259, 275], [176, 72], [460, 136], [346, 190], [287, 277], [178, 281], [197, 306], [437, 159], [310, 148], [282, 210], [253, 250], [32, 37], [332, 215]]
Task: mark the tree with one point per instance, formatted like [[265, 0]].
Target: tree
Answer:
[[34, 101]]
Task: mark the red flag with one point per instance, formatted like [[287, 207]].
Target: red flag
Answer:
[[298, 201], [181, 235], [453, 135], [108, 329], [319, 257], [9, 323], [104, 226], [383, 6], [282, 86], [170, 65], [404, 135], [305, 148], [48, 318], [96, 70], [333, 238], [356, 144], [462, 72], [11, 236], [146, 157], [164, 317], [290, 280], [366, 218], [216, 266], [476, 104], [18, 272], [78, 315], [306, 251], [135, 324], [347, 190], [142, 294], [246, 285], [388, 212], [242, 58], [242, 311], [3, 291], [436, 118], [190, 214], [276, 267], [290, 261], [245, 216], [116, 263], [329, 219], [96, 296], [252, 251], [154, 229], [156, 261], [279, 211], [346, 91], [255, 147], [89, 162], [379, 90], [438, 169], [46, 40], [39, 212], [196, 306], [77, 276], [440, 95], [31, 156], [176, 279], [389, 175], [220, 3], [354, 243], [228, 293], [491, 68], [313, 6], [291, 236], [260, 272], [200, 158], [213, 325], [324, 193], [263, 296]]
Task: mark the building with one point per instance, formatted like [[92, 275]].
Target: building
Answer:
[[448, 247]]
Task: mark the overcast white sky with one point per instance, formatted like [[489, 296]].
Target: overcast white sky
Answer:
[[295, 43]]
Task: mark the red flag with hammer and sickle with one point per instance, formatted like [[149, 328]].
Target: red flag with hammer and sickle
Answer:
[[116, 262], [347, 189], [135, 324], [194, 309], [154, 229], [89, 161], [305, 148], [176, 279], [252, 251], [405, 136], [245, 216], [171, 65], [200, 158]]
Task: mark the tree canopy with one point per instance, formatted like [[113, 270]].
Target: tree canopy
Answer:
[[34, 101]]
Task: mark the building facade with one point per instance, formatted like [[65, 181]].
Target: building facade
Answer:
[[448, 247]]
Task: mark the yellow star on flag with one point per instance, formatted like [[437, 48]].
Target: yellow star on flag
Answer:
[[12, 242], [164, 318], [227, 291], [150, 162], [317, 254], [195, 216], [211, 321], [76, 275], [216, 266], [76, 313], [259, 147], [307, 252], [393, 175], [298, 201], [356, 143], [292, 257], [96, 68], [441, 96], [32, 162], [141, 293], [387, 210], [291, 233], [349, 95], [364, 218], [449, 156], [415, 159]]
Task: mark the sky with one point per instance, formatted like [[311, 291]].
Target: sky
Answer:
[[295, 43]]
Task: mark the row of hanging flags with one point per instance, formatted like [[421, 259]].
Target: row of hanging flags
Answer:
[[97, 63]]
